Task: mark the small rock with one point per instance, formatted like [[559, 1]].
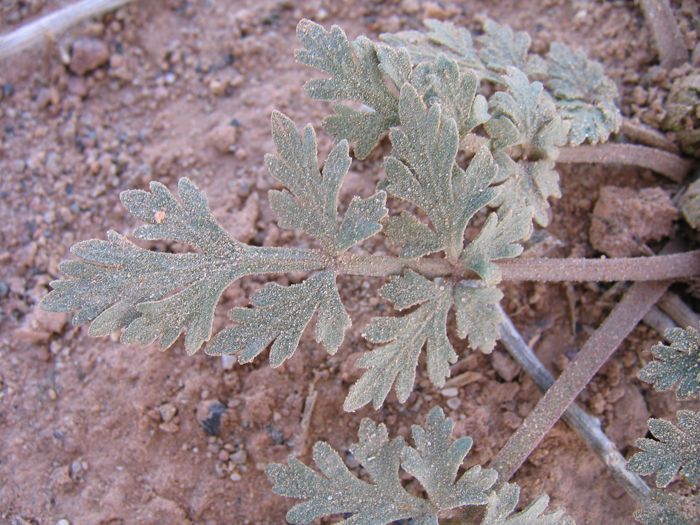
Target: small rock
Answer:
[[63, 522], [512, 420], [217, 87], [209, 415], [239, 457], [505, 366], [60, 478], [167, 411], [223, 455], [450, 392], [76, 467], [4, 289], [434, 10], [454, 403], [223, 138], [169, 78], [88, 54], [410, 7], [170, 427], [227, 361], [235, 477], [53, 163]]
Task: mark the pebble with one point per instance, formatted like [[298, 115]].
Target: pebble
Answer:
[[235, 477], [505, 366], [410, 7], [222, 138], [88, 54], [454, 403], [63, 522], [4, 289], [167, 411], [434, 10], [169, 78], [227, 361], [449, 392]]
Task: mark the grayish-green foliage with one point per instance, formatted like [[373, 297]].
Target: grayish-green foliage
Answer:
[[434, 462], [670, 509], [676, 449], [474, 317], [676, 366], [118, 284], [583, 95]]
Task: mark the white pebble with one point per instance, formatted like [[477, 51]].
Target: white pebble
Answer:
[[454, 403], [63, 522], [227, 361], [450, 392]]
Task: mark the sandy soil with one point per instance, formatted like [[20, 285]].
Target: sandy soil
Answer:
[[99, 433]]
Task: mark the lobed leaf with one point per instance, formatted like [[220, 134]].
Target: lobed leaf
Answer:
[[118, 284], [475, 318], [497, 240], [525, 116], [667, 508], [356, 76], [313, 206], [503, 503], [527, 184], [422, 171], [435, 462], [676, 449], [503, 49], [282, 315], [405, 337], [677, 365]]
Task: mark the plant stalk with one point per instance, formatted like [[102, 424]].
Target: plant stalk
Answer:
[[616, 327]]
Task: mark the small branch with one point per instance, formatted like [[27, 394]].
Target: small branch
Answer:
[[680, 312], [658, 321], [669, 41], [587, 427], [647, 136], [621, 321], [662, 162], [54, 23], [658, 267]]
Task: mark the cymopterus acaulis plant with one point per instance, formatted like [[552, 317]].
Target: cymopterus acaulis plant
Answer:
[[424, 91]]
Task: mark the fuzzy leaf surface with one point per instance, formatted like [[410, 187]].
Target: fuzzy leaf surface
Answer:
[[435, 462], [676, 449], [339, 492], [529, 184], [502, 48], [118, 284], [422, 171], [312, 205], [405, 336], [497, 240], [474, 317], [355, 75], [502, 505], [525, 116], [668, 508], [677, 365], [282, 314]]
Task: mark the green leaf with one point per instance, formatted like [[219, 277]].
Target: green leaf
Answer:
[[340, 492], [413, 237], [282, 315], [502, 48], [475, 318], [528, 184], [118, 284], [435, 462], [525, 116], [497, 240], [678, 364], [589, 122], [422, 171], [355, 75], [406, 336], [676, 449], [315, 208], [456, 93], [667, 508], [502, 504]]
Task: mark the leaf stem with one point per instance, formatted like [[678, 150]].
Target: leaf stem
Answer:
[[660, 161], [616, 327], [587, 427], [659, 267]]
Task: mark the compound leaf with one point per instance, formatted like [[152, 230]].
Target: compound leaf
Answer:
[[497, 240], [435, 462], [422, 171], [475, 318], [502, 504], [526, 184], [667, 508], [340, 492], [356, 76], [314, 205], [525, 116], [502, 48], [676, 449], [118, 284], [282, 314], [678, 364], [406, 336]]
